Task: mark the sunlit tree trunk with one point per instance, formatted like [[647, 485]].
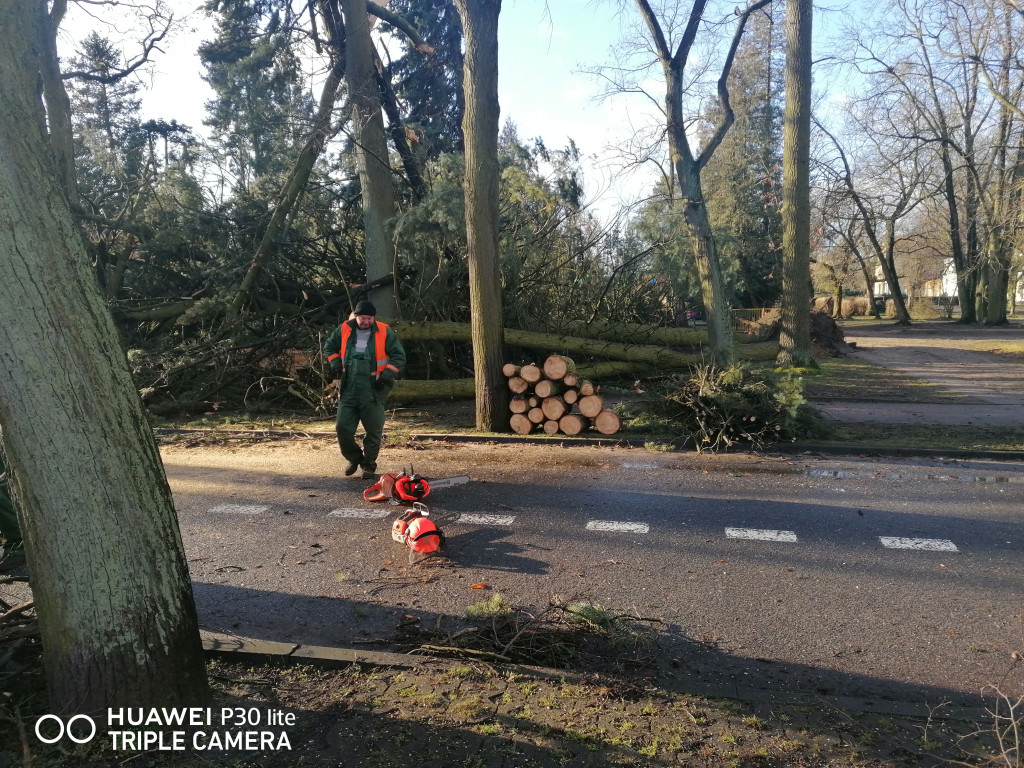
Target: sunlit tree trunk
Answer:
[[794, 328], [109, 577], [480, 128]]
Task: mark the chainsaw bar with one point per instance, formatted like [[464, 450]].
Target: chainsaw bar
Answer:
[[448, 482]]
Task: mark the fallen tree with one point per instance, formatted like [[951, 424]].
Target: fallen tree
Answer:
[[659, 356], [417, 389]]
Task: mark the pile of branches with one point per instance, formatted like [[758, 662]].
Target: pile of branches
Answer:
[[719, 408], [565, 635]]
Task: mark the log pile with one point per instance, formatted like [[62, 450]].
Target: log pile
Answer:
[[553, 399]]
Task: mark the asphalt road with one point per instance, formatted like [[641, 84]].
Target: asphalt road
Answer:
[[899, 578]]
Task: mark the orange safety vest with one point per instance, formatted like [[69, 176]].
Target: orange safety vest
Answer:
[[380, 337]]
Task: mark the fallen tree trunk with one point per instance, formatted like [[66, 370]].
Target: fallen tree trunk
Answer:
[[635, 333], [660, 357], [434, 389]]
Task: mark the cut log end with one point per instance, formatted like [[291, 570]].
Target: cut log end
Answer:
[[607, 422], [557, 366], [518, 384], [548, 388], [554, 408], [510, 370], [590, 406], [520, 424], [531, 373], [573, 424], [551, 427]]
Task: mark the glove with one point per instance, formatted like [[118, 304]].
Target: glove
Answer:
[[379, 383]]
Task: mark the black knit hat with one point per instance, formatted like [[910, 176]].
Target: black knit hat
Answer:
[[364, 307]]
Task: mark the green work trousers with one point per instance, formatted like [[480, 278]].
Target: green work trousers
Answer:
[[360, 402]]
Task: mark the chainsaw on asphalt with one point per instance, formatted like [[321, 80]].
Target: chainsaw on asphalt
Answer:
[[417, 529], [408, 487]]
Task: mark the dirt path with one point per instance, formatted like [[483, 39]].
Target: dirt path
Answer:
[[948, 356]]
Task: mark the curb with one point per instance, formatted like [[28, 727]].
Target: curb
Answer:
[[235, 648], [635, 442], [785, 448], [876, 450]]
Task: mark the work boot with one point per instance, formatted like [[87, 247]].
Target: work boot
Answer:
[[369, 473], [351, 468]]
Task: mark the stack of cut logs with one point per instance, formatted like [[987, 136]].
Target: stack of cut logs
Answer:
[[543, 397]]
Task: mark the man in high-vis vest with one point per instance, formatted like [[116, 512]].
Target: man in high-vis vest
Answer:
[[366, 358]]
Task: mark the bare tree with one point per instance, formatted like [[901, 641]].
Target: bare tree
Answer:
[[686, 166]]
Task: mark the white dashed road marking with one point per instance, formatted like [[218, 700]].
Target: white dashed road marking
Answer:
[[369, 514], [931, 545], [487, 519], [759, 535], [617, 527], [238, 509]]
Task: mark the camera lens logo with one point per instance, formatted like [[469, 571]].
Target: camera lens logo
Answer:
[[74, 729]]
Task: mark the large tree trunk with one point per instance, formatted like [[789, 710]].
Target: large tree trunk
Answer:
[[378, 191], [480, 128], [794, 328], [109, 578]]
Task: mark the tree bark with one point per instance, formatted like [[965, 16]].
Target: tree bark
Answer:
[[109, 577], [480, 129], [794, 327], [378, 191]]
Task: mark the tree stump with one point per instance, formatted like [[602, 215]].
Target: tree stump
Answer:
[[591, 405], [607, 422], [573, 424]]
